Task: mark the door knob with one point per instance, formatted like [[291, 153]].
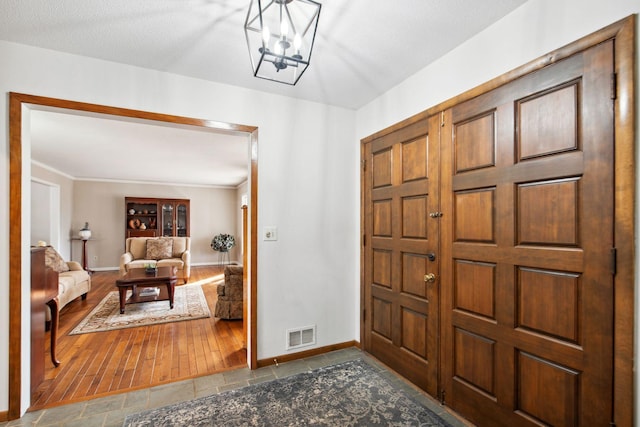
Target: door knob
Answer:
[[430, 277]]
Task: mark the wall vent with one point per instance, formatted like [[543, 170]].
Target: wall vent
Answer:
[[301, 337]]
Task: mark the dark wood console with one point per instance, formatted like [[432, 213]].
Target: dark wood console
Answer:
[[44, 291]]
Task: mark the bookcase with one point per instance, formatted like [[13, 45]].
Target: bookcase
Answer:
[[153, 217]]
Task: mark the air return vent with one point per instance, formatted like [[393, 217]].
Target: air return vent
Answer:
[[301, 337]]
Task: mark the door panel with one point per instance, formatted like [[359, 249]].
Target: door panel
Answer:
[[401, 308], [527, 297]]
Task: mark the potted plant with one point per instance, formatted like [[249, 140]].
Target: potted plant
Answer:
[[223, 242]]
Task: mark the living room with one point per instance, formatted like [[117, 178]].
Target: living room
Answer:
[[213, 210], [309, 157]]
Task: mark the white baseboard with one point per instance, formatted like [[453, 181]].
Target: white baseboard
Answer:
[[199, 264]]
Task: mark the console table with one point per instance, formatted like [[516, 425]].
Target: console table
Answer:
[[43, 291]]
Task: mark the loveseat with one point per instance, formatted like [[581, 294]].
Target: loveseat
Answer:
[[159, 251], [73, 281], [230, 294]]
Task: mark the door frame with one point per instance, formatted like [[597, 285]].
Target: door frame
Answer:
[[17, 103], [623, 32]]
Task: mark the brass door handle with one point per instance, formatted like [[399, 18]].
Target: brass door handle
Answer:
[[430, 277]]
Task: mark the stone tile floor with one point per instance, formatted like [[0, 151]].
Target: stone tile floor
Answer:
[[112, 410]]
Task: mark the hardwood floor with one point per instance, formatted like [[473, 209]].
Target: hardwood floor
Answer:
[[103, 363]]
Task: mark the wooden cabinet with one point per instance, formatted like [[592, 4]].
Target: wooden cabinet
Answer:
[[152, 217], [44, 291], [174, 217], [38, 280]]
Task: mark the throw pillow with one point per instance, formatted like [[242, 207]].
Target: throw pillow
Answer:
[[54, 261], [159, 248]]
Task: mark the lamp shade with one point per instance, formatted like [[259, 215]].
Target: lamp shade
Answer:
[[85, 233], [280, 36]]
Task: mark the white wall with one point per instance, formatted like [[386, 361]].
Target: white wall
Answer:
[[534, 29], [306, 186], [40, 212]]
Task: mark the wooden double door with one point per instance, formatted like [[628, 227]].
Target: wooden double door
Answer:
[[488, 248]]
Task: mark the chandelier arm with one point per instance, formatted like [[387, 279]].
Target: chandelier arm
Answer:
[[313, 18], [259, 15]]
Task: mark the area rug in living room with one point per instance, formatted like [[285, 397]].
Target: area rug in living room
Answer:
[[348, 394], [189, 303]]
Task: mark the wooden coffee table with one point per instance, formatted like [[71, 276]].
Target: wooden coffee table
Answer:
[[138, 279]]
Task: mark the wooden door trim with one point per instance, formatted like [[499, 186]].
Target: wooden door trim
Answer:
[[624, 223], [623, 32], [16, 103]]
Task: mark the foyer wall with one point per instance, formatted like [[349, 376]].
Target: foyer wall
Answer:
[[307, 188]]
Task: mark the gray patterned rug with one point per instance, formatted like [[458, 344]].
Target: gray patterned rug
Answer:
[[348, 394]]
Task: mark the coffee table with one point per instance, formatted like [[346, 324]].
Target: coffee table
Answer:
[[136, 279]]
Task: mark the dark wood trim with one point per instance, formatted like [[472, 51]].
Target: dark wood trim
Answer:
[[16, 103], [304, 354], [4, 416], [363, 232], [15, 256], [623, 32], [126, 112], [624, 223], [253, 295]]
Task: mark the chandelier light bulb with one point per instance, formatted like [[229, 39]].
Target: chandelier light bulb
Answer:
[[278, 49], [266, 35], [297, 42], [284, 28]]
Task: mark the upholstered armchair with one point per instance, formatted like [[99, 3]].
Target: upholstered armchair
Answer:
[[73, 281], [230, 294], [161, 251]]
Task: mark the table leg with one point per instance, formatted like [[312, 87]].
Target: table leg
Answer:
[[171, 286], [53, 306], [123, 298]]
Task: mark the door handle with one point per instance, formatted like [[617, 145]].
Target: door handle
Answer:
[[430, 277]]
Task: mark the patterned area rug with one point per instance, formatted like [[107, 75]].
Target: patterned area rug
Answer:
[[348, 394], [189, 303]]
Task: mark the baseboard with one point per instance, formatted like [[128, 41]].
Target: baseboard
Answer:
[[4, 416], [307, 353], [197, 264], [104, 268], [204, 264]]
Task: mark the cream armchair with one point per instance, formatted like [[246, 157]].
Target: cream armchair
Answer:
[[162, 251]]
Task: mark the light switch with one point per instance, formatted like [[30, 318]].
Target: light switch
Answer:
[[270, 233]]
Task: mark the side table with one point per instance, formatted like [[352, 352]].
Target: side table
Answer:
[[51, 298]]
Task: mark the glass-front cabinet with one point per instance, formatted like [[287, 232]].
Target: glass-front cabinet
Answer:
[[153, 217], [175, 218]]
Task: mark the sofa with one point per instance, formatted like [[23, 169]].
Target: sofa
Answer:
[[159, 251], [73, 281], [230, 294]]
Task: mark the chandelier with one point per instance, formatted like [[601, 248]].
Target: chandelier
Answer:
[[280, 36]]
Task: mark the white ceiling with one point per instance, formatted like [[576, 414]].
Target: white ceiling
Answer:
[[113, 148], [363, 48]]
